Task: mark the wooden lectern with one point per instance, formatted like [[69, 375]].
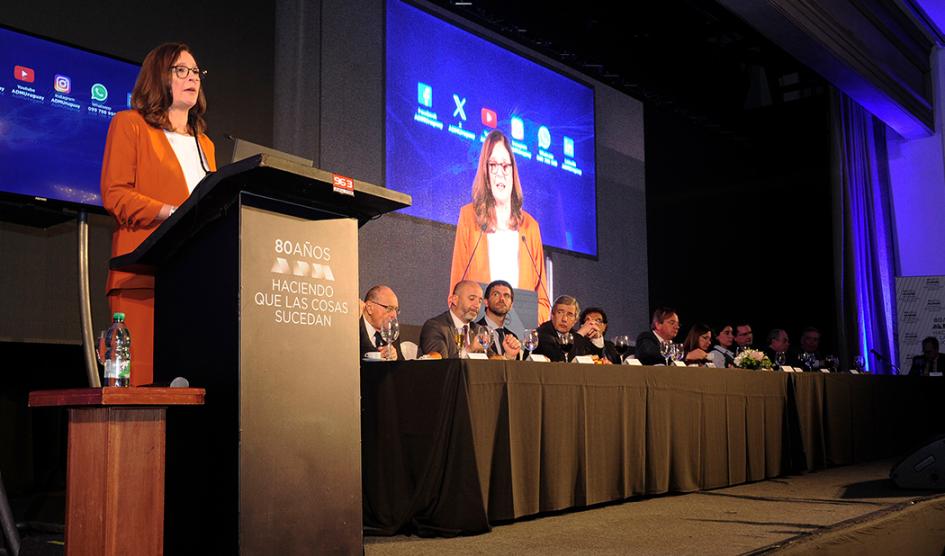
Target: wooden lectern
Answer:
[[115, 467], [257, 301]]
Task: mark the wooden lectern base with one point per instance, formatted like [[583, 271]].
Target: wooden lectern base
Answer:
[[115, 473]]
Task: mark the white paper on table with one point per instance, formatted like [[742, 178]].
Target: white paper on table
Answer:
[[477, 356], [825, 371], [788, 369], [935, 373], [632, 361], [679, 363], [584, 359], [538, 357]]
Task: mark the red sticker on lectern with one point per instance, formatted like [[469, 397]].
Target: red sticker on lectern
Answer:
[[343, 185]]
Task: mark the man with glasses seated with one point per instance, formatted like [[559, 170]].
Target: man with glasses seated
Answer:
[[564, 315], [593, 327], [743, 336], [380, 306]]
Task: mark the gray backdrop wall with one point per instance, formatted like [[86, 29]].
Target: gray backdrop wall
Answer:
[[308, 77]]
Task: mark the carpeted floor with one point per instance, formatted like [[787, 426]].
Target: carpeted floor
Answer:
[[732, 520]]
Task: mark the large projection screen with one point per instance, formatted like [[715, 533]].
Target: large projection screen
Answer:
[[446, 88]]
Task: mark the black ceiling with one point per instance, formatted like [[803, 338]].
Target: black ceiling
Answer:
[[691, 57]]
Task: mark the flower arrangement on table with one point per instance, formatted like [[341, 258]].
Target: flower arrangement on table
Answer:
[[753, 359]]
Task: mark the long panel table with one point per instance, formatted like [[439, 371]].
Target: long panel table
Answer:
[[451, 446]]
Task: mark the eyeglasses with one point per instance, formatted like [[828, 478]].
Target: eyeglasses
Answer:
[[389, 308], [183, 71], [500, 167]]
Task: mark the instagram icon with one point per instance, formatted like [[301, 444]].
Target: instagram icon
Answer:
[[62, 84]]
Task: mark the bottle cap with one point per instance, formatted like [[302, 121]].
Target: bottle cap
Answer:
[[120, 317]]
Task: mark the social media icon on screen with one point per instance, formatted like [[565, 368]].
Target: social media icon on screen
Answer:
[[489, 118], [23, 73], [460, 103], [544, 137], [99, 92], [424, 94], [62, 84], [568, 146], [518, 128]]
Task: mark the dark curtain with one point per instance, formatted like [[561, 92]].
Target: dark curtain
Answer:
[[863, 233]]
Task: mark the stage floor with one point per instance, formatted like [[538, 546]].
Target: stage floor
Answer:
[[734, 520]]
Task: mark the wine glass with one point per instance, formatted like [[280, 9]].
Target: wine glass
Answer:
[[566, 343], [469, 341], [859, 363], [666, 350], [390, 331], [809, 360], [780, 359], [622, 345], [530, 339], [484, 337], [459, 338], [832, 362]]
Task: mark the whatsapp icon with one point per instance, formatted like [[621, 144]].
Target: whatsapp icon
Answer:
[[99, 92]]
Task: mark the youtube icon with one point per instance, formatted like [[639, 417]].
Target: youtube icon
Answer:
[[489, 118], [23, 73]]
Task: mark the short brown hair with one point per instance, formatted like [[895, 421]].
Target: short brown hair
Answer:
[[661, 314], [152, 95]]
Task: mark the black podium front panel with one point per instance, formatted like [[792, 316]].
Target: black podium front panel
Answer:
[[300, 466]]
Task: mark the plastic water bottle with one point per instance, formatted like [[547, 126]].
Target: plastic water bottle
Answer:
[[117, 352]]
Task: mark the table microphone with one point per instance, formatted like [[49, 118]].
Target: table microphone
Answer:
[[882, 357]]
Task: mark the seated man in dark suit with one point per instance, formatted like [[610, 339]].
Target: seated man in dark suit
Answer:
[[380, 306], [564, 314], [440, 332], [931, 361], [499, 299], [593, 327], [808, 357], [663, 329], [743, 335], [778, 343]]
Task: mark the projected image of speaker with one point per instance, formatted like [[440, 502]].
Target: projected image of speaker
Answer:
[[922, 469]]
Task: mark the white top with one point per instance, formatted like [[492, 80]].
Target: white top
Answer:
[[503, 255], [185, 147], [717, 355]]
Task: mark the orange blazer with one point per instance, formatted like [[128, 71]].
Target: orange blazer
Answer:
[[140, 173], [467, 232]]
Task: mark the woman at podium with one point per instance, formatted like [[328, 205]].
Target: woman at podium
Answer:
[[495, 238], [155, 154]]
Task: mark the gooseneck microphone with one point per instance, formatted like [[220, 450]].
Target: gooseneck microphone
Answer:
[[886, 360], [482, 230], [531, 257]]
